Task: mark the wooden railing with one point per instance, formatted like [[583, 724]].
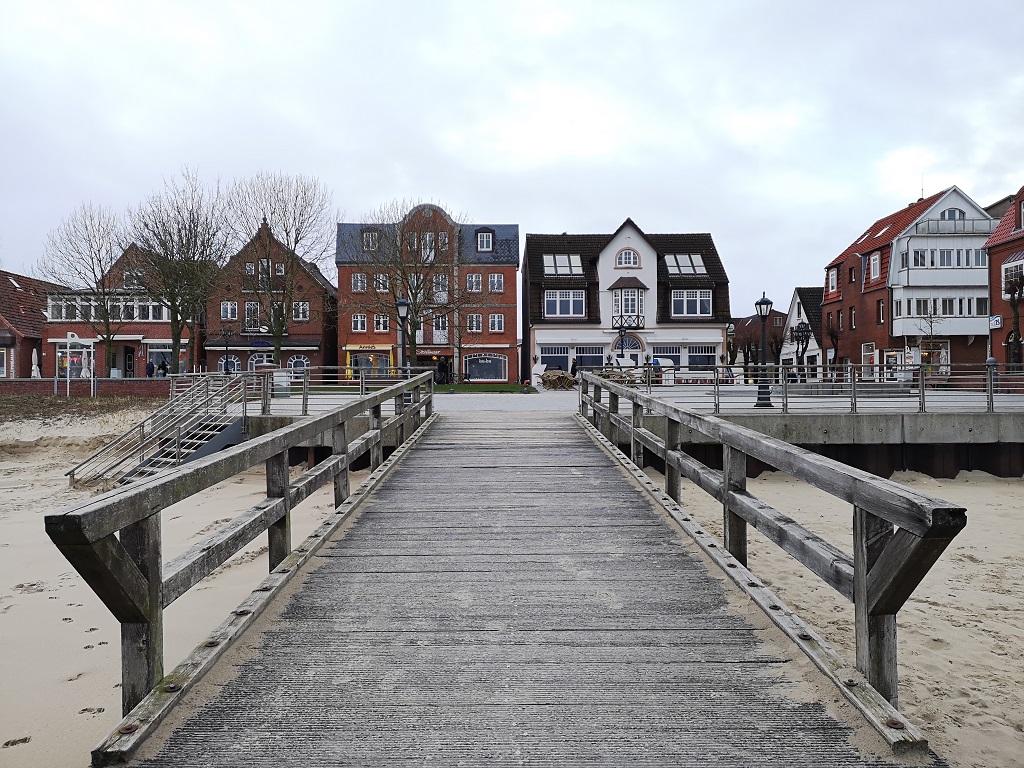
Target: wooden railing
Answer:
[[898, 534], [114, 541]]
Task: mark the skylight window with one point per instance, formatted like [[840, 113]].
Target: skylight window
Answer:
[[15, 282], [865, 237], [879, 233], [685, 264], [562, 264]]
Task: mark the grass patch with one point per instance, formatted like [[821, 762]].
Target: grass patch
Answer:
[[461, 389], [17, 407]]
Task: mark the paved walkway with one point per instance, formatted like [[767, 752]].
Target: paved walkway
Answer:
[[507, 597]]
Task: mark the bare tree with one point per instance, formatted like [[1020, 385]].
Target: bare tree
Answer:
[[834, 337], [410, 251], [182, 242], [928, 325], [1014, 289], [81, 253], [298, 210]]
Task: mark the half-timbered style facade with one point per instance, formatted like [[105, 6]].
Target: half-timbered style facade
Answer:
[[627, 297]]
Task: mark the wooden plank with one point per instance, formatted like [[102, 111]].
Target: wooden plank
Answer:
[[115, 578], [734, 479], [339, 445], [875, 633], [672, 475], [142, 643], [899, 569], [279, 534], [830, 564]]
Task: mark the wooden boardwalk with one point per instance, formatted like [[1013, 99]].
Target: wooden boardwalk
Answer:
[[507, 597]]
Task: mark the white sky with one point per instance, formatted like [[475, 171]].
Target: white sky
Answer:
[[784, 129]]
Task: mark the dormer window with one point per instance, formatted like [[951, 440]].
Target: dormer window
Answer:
[[952, 214], [685, 264], [875, 262], [370, 241], [132, 280], [557, 264], [485, 241], [627, 258], [832, 280]]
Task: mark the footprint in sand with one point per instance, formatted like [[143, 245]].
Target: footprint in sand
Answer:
[[92, 629], [67, 619], [72, 679], [31, 587], [16, 742], [87, 647], [90, 711]]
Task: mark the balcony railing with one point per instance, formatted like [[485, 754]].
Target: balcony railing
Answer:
[[628, 321], [956, 226]]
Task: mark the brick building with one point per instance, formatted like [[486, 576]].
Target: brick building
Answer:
[[23, 305], [271, 307], [459, 283], [1006, 278], [911, 289]]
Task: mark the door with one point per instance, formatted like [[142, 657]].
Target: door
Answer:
[[129, 363]]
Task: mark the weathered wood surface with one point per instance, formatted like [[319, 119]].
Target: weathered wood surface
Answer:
[[507, 598]]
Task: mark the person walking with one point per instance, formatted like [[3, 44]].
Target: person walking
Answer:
[[572, 368], [150, 369]]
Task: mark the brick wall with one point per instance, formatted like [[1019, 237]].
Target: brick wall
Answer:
[[81, 387]]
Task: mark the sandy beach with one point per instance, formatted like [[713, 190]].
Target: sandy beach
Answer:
[[961, 660]]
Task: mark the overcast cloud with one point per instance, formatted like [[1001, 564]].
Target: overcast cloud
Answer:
[[784, 129]]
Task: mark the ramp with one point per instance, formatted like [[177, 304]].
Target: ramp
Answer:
[[507, 597]]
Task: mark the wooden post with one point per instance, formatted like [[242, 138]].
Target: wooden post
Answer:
[[613, 407], [280, 533], [636, 450], [376, 450], [305, 391], [417, 398], [672, 429], [734, 478], [339, 446], [400, 428], [875, 635], [920, 389], [584, 391], [142, 645], [595, 415]]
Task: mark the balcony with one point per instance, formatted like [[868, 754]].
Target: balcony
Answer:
[[956, 226], [635, 322]]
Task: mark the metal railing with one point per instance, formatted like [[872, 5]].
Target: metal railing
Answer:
[[852, 388]]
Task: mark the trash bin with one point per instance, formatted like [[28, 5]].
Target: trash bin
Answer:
[[282, 384]]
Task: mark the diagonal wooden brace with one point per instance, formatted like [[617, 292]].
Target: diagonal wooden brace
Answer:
[[113, 576], [900, 568]]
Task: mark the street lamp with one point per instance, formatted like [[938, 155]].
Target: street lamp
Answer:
[[402, 308], [226, 332], [764, 396], [622, 342], [802, 335]]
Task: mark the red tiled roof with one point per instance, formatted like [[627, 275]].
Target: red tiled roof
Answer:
[[23, 302], [1005, 231], [885, 230]]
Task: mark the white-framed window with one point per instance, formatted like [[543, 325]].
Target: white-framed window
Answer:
[[981, 257], [945, 257], [685, 264], [853, 318], [300, 311], [1013, 273], [132, 279], [260, 358], [496, 282], [297, 364], [875, 265], [264, 272], [691, 303], [411, 240], [252, 316], [428, 247], [627, 257], [475, 323], [564, 303], [920, 257], [382, 282], [440, 288], [370, 240], [497, 323], [880, 311], [947, 307], [358, 282], [381, 323], [416, 285], [442, 242], [952, 214], [441, 329], [897, 308], [922, 307], [3, 363], [485, 241], [832, 279], [228, 310], [700, 357], [980, 306], [359, 323], [250, 268], [482, 366], [562, 264], [279, 269], [474, 282], [229, 364], [627, 301]]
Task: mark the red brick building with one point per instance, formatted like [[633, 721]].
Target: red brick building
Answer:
[[459, 281], [912, 289], [22, 324], [1006, 260], [271, 307]]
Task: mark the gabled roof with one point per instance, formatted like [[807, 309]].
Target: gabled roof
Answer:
[[888, 228], [810, 300], [1005, 231], [23, 302], [308, 267]]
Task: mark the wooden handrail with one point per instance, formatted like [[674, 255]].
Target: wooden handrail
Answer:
[[113, 540], [898, 533]]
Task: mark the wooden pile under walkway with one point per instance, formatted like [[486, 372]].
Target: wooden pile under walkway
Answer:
[[508, 597]]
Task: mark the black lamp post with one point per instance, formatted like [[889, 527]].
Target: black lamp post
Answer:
[[764, 395], [402, 308], [226, 332], [802, 335], [622, 342]]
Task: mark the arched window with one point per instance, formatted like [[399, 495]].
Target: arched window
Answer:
[[297, 364], [627, 257], [260, 358], [229, 364], [485, 367], [952, 214]]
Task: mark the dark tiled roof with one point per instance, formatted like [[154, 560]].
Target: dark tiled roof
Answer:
[[810, 300], [506, 245], [627, 282], [23, 302], [1005, 231]]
